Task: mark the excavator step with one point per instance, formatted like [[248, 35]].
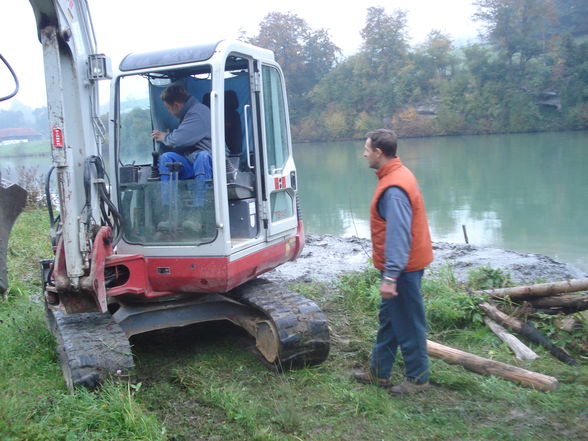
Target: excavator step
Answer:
[[300, 326], [91, 347]]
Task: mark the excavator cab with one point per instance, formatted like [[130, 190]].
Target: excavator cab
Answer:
[[248, 203]]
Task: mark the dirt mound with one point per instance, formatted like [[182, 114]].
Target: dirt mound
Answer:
[[327, 257], [522, 267]]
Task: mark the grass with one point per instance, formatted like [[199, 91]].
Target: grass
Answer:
[[202, 382], [28, 148]]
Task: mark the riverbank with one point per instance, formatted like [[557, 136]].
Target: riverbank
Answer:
[[326, 257]]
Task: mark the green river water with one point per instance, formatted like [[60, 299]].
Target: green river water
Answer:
[[522, 192]]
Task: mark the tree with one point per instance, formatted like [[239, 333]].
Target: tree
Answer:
[[385, 40], [438, 51], [517, 27], [573, 17], [41, 121], [305, 55], [135, 135], [10, 119]]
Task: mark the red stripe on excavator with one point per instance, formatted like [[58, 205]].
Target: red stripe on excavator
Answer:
[[160, 276]]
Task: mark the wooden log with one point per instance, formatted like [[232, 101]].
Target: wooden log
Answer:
[[521, 351], [486, 366], [569, 302], [526, 331], [538, 290]]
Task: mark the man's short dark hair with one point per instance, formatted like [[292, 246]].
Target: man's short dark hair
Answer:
[[384, 139], [175, 94]]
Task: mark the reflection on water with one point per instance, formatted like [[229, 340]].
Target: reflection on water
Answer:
[[525, 192]]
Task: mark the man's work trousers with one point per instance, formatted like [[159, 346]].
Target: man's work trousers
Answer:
[[200, 170], [403, 323]]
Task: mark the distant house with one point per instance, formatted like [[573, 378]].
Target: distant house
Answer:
[[15, 136]]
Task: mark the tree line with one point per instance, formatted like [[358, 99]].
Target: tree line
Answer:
[[528, 72]]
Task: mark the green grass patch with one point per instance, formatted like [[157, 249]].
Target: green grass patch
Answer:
[[27, 149], [204, 383]]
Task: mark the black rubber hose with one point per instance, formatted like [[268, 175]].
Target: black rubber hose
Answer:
[[105, 200], [48, 196], [16, 85]]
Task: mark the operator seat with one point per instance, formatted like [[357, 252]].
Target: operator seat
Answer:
[[233, 133]]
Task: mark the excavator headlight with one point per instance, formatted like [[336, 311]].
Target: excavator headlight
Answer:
[[100, 67]]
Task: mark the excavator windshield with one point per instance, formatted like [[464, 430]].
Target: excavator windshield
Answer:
[[165, 199], [161, 200]]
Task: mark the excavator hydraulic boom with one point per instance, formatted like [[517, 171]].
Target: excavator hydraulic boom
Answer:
[[72, 71]]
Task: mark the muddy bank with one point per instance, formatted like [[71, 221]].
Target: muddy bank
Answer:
[[326, 257]]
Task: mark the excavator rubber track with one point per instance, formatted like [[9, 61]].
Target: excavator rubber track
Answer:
[[91, 348], [300, 325]]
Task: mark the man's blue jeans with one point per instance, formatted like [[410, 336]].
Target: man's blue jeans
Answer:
[[403, 324], [200, 170]]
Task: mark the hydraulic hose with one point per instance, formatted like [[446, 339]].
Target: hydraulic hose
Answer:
[[104, 197], [52, 219], [16, 85]]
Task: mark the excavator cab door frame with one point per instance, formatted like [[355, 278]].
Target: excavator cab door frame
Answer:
[[279, 169]]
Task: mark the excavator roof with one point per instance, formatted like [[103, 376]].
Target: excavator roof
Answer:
[[167, 57]]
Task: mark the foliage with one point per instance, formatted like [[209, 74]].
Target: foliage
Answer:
[[33, 182], [20, 116], [11, 119], [568, 330], [385, 39], [486, 277], [529, 73], [447, 305], [305, 55], [519, 28], [361, 292], [136, 133]]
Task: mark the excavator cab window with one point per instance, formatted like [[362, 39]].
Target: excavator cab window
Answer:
[[160, 203]]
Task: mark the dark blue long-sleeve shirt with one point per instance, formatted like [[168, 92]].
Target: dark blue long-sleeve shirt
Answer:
[[394, 207]]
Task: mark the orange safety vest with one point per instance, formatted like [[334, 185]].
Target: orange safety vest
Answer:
[[395, 174]]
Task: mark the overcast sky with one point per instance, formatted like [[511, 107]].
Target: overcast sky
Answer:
[[123, 26]]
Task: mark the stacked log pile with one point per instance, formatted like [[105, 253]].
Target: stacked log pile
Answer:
[[545, 296], [563, 297], [550, 298]]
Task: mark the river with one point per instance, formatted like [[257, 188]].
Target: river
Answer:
[[523, 192]]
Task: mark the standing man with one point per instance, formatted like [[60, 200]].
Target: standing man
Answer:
[[190, 143], [401, 250]]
